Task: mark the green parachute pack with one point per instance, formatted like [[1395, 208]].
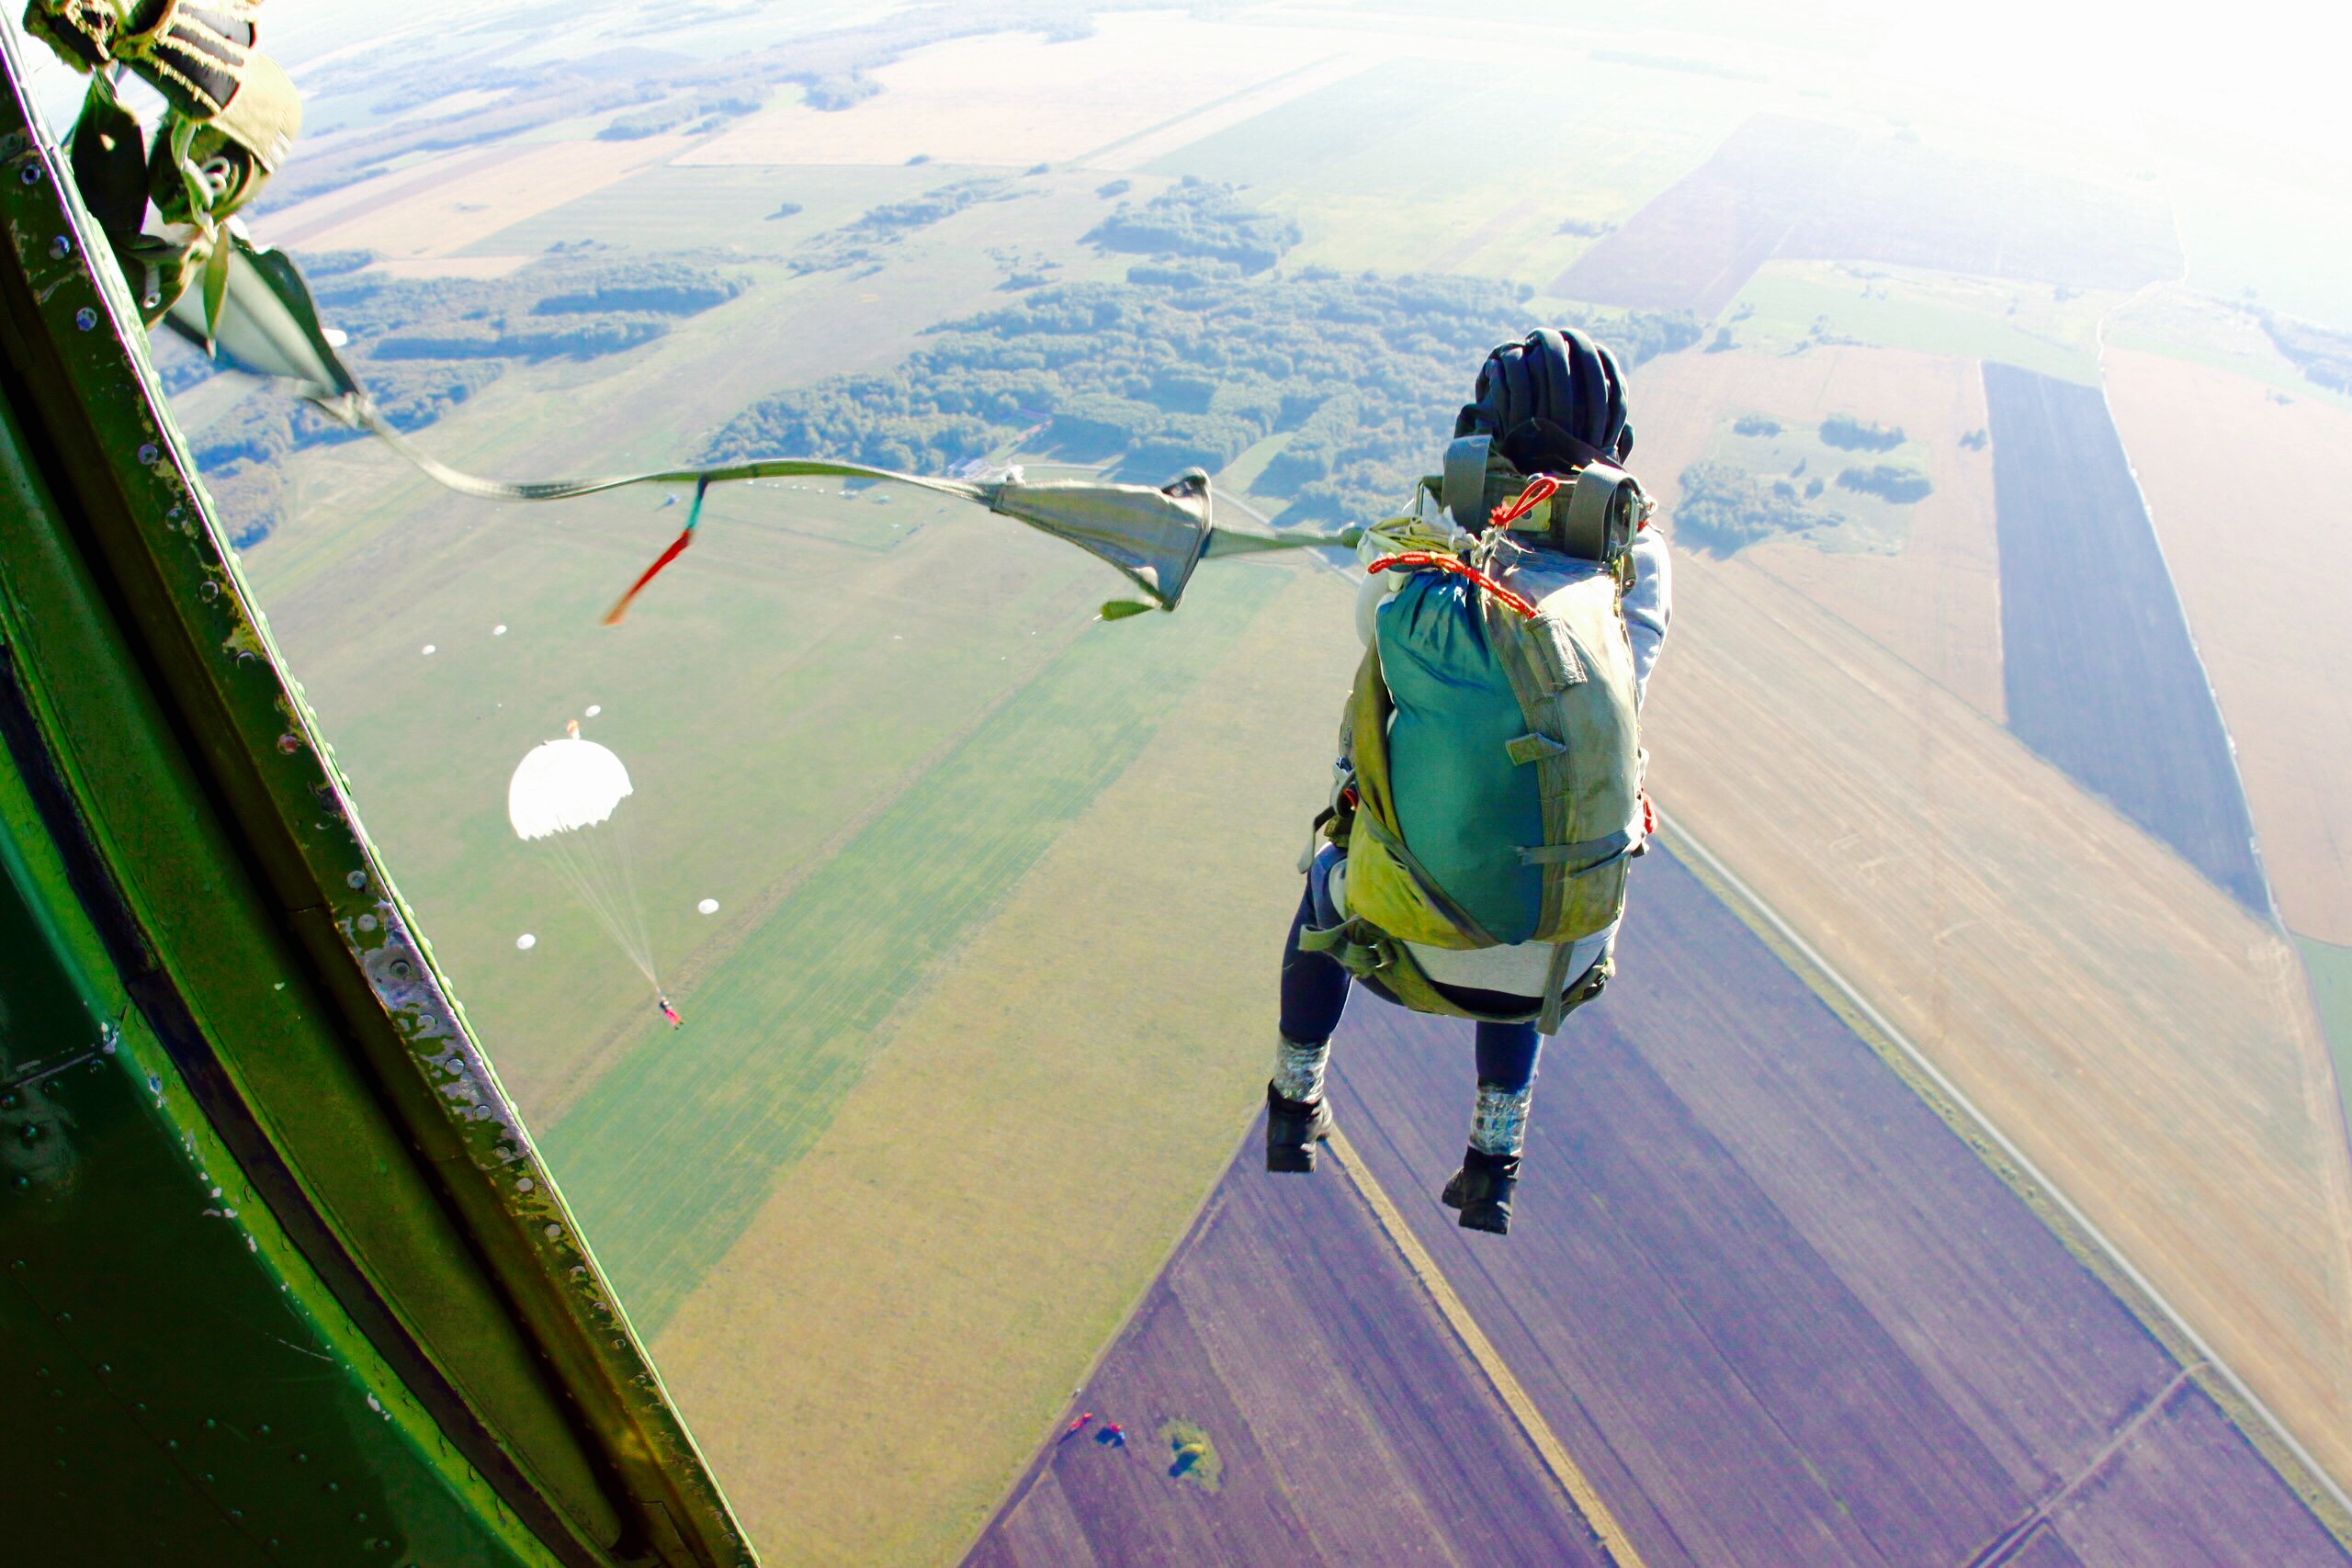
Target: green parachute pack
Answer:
[[1491, 747]]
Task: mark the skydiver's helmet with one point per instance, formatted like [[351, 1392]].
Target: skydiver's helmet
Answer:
[[1553, 404]]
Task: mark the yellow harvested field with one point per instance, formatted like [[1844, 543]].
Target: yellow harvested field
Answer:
[[2249, 496], [1016, 99], [1937, 606], [439, 207], [2145, 1041], [880, 1353], [296, 224]]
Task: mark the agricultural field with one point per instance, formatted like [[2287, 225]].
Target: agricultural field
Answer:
[[2330, 968], [671, 1154], [1858, 493], [985, 1001], [2022, 933], [1811, 189], [1795, 305], [1933, 603], [1696, 247], [2017, 928], [2264, 593], [1073, 1075], [2172, 322], [1017, 98], [439, 210], [1380, 169], [1349, 1424], [2101, 675], [1771, 1308]]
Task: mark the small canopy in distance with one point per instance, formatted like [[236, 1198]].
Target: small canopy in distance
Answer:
[[563, 785]]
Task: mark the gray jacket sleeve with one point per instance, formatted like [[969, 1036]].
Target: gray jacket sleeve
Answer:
[[1649, 606]]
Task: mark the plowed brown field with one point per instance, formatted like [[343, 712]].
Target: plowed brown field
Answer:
[[2248, 495], [2148, 1044], [1937, 606]]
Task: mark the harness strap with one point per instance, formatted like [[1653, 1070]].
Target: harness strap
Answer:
[[1388, 967], [1534, 747], [1439, 899], [1464, 491], [1601, 853]]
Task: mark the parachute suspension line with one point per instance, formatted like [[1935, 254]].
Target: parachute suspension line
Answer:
[[677, 547], [632, 908], [597, 877]]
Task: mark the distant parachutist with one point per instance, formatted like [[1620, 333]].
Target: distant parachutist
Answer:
[[1112, 1436], [668, 1012], [1078, 1425]]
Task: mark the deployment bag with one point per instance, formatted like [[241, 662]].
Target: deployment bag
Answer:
[[1492, 748]]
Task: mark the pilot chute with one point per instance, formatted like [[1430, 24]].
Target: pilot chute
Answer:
[[566, 799]]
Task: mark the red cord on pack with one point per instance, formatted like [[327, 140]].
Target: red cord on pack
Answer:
[[1540, 488], [1423, 561]]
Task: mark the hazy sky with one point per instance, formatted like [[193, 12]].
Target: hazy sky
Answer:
[[2272, 69], [2275, 69]]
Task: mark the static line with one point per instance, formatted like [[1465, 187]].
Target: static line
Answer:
[[1547, 1445], [1683, 841]]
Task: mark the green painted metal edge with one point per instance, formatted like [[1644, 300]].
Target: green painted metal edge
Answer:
[[251, 908], [233, 1412]]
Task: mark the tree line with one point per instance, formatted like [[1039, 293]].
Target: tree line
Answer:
[[1189, 363]]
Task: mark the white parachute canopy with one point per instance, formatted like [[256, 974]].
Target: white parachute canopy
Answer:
[[563, 786], [564, 798]]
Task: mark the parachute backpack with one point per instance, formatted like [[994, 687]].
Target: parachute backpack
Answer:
[[1491, 749]]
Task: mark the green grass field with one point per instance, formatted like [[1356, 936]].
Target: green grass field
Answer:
[[1789, 303], [672, 1150]]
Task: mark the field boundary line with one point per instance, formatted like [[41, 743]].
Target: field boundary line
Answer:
[[1684, 843], [1086, 160], [1506, 1384], [1211, 1203]]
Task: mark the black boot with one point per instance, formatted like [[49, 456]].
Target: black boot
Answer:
[[1482, 1190], [1293, 1128]]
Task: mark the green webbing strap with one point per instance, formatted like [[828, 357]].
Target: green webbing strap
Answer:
[[1370, 953], [1597, 522], [1556, 979], [1601, 853], [1439, 899], [1534, 747], [1465, 481], [1555, 653], [1356, 957]]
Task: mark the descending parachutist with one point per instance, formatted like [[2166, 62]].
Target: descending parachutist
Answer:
[[668, 1012]]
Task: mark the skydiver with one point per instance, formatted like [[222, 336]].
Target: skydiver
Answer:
[[1078, 1425], [1552, 405], [1112, 1436], [668, 1012]]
